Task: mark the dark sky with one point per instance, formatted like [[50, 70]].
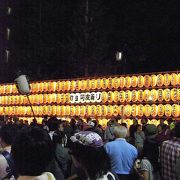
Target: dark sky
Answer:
[[56, 39]]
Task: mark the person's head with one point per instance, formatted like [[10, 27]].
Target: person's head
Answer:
[[159, 128], [161, 121], [32, 151], [139, 127], [135, 122], [177, 130], [144, 121], [87, 149], [53, 124], [124, 124], [120, 132], [150, 130], [58, 137], [7, 134]]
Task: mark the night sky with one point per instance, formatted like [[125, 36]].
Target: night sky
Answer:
[[57, 39]]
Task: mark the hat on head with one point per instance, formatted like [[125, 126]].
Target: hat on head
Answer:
[[87, 138], [150, 130]]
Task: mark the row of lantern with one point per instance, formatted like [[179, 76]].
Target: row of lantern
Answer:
[[93, 97], [96, 110], [100, 83]]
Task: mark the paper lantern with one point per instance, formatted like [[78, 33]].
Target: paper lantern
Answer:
[[127, 110], [77, 110], [153, 80], [104, 83], [67, 85], [140, 95], [175, 110], [174, 79], [121, 110], [160, 110], [147, 94], [167, 95], [67, 98], [45, 87], [104, 97], [83, 85], [115, 82], [93, 84], [109, 110], [147, 80], [63, 98], [175, 94], [63, 110], [116, 96], [140, 81], [160, 95], [93, 110], [98, 110], [59, 86], [82, 110], [122, 82], [134, 96], [88, 84], [140, 110], [110, 95], [134, 111], [98, 83], [72, 85], [179, 78], [154, 95], [67, 110], [154, 110], [167, 79], [40, 112], [58, 98], [40, 98], [52, 86], [121, 96], [45, 110], [41, 87], [160, 80], [134, 81], [147, 110], [110, 83], [127, 82], [63, 85], [58, 111], [1, 90], [104, 110], [115, 110], [128, 96]]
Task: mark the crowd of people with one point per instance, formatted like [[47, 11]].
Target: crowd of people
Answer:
[[58, 149]]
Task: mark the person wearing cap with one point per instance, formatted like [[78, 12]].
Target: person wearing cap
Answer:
[[121, 153], [88, 155]]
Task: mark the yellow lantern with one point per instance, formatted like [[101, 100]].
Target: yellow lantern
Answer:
[[160, 95], [116, 96], [67, 85], [58, 98], [134, 110], [93, 84], [128, 96], [45, 109], [179, 78], [88, 110], [72, 85], [58, 110], [154, 95], [67, 110], [134, 96], [121, 110], [82, 110], [52, 87], [174, 79], [83, 85], [147, 110], [63, 98], [110, 83], [140, 95], [122, 82], [1, 110], [140, 110], [147, 94], [98, 83], [77, 110], [147, 80], [63, 85], [63, 110], [110, 95], [116, 82], [121, 96], [1, 89], [160, 80], [104, 97], [59, 86], [40, 98], [127, 82], [104, 83], [104, 110], [115, 110], [154, 110], [88, 83], [128, 110], [167, 79], [109, 110], [45, 86], [99, 110], [134, 81], [93, 110], [175, 94], [175, 110], [167, 95], [161, 110], [41, 87], [140, 81], [40, 110]]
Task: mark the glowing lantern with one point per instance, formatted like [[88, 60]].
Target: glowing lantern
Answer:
[[98, 83], [98, 110], [174, 79], [1, 90], [63, 84], [41, 87], [127, 110], [167, 79], [154, 95], [134, 110], [67, 110], [160, 80], [121, 110], [58, 98], [58, 110], [134, 96], [140, 95], [175, 110], [67, 85], [104, 97], [110, 95], [140, 110], [83, 85], [147, 94], [45, 110], [40, 98], [88, 84], [52, 86], [40, 110], [93, 110], [167, 94], [147, 110], [77, 110], [110, 83], [82, 110], [128, 96], [116, 96], [134, 81], [160, 95], [115, 82], [115, 110], [104, 83], [179, 78], [127, 82], [121, 96], [122, 82], [104, 110], [63, 98], [154, 110], [109, 110], [73, 85], [140, 81], [147, 80], [63, 110], [89, 110], [59, 86], [160, 110], [45, 86], [93, 84]]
